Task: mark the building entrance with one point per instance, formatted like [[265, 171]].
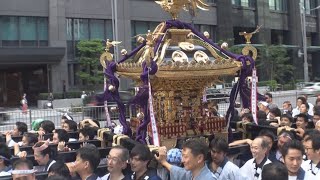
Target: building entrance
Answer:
[[15, 82]]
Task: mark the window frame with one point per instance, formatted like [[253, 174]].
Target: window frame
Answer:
[[244, 3], [73, 41], [278, 5], [18, 41]]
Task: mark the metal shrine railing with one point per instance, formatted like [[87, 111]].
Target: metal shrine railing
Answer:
[[9, 118]]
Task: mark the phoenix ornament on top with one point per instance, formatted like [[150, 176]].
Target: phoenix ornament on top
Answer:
[[174, 6]]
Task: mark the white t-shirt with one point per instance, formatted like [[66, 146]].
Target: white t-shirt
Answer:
[[248, 170], [295, 111], [105, 177], [83, 96], [230, 172], [310, 111], [292, 177], [312, 171]]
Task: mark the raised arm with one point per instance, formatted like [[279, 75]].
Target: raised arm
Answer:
[[240, 142], [162, 158]]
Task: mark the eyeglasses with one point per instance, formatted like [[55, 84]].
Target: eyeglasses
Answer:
[[113, 159], [307, 148]]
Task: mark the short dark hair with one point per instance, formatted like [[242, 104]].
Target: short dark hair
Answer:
[[32, 138], [288, 116], [62, 135], [315, 139], [97, 122], [309, 132], [287, 102], [72, 125], [219, 144], [276, 111], [268, 94], [19, 162], [274, 171], [60, 168], [317, 111], [248, 115], [56, 177], [124, 153], [264, 143], [295, 144], [91, 154], [303, 99], [197, 147], [6, 153], [261, 115], [142, 151], [268, 133], [46, 150], [87, 131], [304, 116], [307, 105], [22, 127], [47, 126]]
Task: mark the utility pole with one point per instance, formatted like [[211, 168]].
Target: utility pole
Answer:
[[304, 43], [304, 40], [114, 8]]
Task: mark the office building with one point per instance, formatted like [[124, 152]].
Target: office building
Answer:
[[38, 38]]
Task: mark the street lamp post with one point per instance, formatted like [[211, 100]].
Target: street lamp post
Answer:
[[114, 8], [304, 41]]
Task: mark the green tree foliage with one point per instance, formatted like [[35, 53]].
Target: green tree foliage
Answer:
[[273, 63], [91, 70], [236, 49]]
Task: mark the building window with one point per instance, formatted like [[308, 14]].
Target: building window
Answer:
[[42, 31], [209, 28], [141, 27], [81, 29], [244, 3], [309, 5], [279, 37], [278, 5], [85, 29], [97, 29], [23, 31], [29, 32]]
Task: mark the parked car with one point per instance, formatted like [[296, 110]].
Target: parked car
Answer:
[[312, 88], [217, 95], [301, 85]]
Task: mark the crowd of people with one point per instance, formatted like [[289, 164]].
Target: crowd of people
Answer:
[[292, 153]]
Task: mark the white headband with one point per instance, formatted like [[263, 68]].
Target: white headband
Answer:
[[20, 172], [68, 117]]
